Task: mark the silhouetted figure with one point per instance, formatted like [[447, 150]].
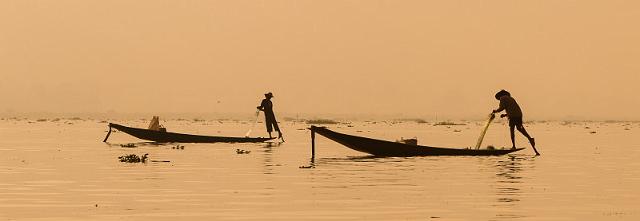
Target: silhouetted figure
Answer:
[[514, 113], [270, 118]]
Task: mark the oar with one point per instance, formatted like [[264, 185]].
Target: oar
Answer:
[[109, 133], [253, 125], [484, 130]]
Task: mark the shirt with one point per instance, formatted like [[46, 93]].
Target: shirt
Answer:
[[267, 106], [511, 106]]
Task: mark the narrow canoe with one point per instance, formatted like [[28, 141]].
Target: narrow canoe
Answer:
[[388, 148], [170, 137]]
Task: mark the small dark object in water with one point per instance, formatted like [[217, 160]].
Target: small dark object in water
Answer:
[[132, 158], [457, 131], [239, 151], [592, 132], [306, 167], [178, 147], [129, 145]]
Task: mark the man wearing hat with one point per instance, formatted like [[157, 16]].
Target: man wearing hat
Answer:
[[514, 113], [270, 117]]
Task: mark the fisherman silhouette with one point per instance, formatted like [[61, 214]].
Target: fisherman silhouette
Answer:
[[514, 113], [270, 118]]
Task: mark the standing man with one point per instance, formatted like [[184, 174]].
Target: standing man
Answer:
[[515, 117], [270, 117]]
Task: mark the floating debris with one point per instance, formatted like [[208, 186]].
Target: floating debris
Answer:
[[129, 145], [239, 151], [132, 158], [322, 121], [592, 132], [306, 167], [178, 147]]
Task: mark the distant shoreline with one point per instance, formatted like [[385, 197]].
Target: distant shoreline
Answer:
[[285, 117]]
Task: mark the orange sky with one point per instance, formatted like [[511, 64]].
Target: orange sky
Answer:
[[559, 59]]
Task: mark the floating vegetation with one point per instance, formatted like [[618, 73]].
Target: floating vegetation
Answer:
[[447, 123], [417, 120], [322, 121], [178, 147], [132, 158], [239, 151], [291, 119], [129, 145]]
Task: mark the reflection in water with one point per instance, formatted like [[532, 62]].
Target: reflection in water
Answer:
[[508, 185], [268, 157]]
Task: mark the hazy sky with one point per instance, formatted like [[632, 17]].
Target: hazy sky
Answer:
[[410, 58]]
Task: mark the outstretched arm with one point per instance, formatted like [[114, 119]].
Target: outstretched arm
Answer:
[[500, 108], [261, 107]]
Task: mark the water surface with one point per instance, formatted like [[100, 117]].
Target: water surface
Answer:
[[62, 171]]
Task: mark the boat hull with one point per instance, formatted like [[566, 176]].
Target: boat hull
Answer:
[[388, 148], [170, 137]]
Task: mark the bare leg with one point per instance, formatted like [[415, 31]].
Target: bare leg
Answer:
[[270, 134], [513, 137], [523, 131], [531, 139]]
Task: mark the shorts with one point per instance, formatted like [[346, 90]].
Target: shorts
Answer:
[[515, 121]]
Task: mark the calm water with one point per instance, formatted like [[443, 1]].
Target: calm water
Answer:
[[62, 171]]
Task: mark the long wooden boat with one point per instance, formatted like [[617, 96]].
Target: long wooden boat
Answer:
[[170, 137], [396, 149]]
